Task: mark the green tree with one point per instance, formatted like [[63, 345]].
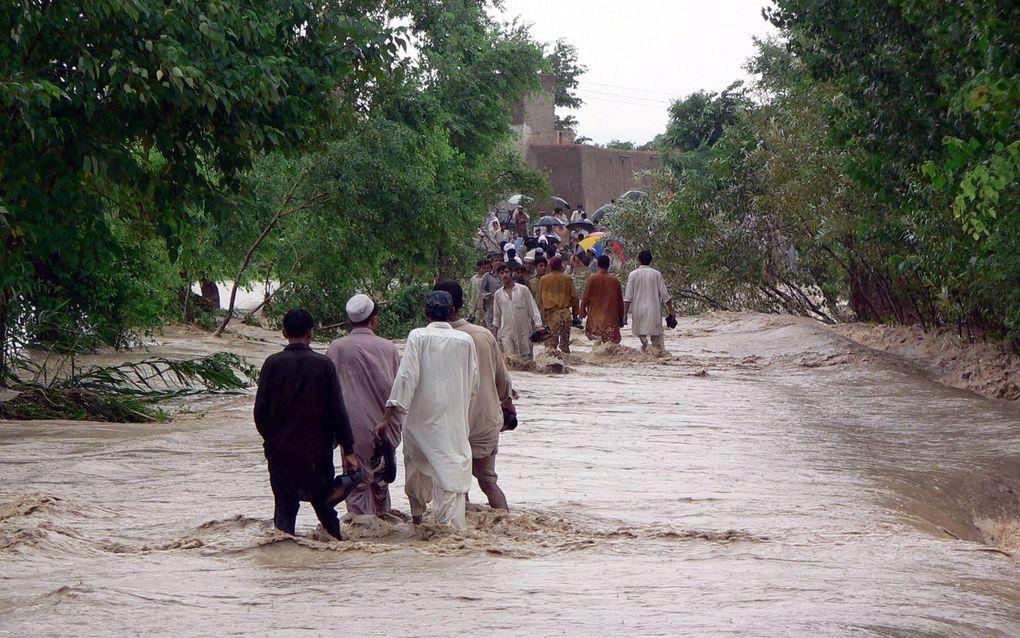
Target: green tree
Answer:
[[653, 144], [620, 145], [565, 67], [127, 114], [475, 68], [562, 62], [695, 124], [761, 215], [389, 204], [699, 120], [947, 162]]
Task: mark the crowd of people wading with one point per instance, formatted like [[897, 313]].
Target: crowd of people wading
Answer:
[[449, 396]]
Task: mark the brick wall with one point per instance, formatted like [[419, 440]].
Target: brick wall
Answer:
[[589, 175], [534, 118]]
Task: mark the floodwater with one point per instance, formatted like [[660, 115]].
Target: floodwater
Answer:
[[769, 479]]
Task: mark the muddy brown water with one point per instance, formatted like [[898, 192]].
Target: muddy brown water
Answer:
[[769, 479]]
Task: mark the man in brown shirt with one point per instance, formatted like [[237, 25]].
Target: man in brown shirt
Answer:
[[485, 414], [558, 305], [602, 303]]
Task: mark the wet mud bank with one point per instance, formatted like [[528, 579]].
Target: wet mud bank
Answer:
[[979, 366], [766, 477]]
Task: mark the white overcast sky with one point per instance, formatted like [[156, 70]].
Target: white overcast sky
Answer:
[[641, 54]]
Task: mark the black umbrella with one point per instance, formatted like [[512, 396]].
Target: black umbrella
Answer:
[[548, 220], [582, 224], [635, 195], [559, 201], [602, 212]]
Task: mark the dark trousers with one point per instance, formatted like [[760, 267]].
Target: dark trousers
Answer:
[[288, 501]]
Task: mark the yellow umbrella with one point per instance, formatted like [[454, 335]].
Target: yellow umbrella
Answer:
[[591, 240]]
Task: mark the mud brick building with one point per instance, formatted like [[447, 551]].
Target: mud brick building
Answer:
[[579, 173]]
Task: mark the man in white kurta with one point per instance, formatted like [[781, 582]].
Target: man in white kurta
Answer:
[[501, 236], [643, 299], [437, 377], [515, 316]]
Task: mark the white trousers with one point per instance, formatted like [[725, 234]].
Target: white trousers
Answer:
[[447, 507], [658, 343], [519, 346]]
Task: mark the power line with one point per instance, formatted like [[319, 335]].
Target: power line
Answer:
[[609, 101], [672, 94], [628, 97], [657, 107]]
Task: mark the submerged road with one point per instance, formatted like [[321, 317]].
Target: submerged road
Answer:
[[768, 479]]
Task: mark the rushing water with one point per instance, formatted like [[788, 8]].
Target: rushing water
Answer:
[[770, 479]]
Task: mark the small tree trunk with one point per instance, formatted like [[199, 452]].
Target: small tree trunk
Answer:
[[210, 294], [281, 212], [184, 293], [4, 372]]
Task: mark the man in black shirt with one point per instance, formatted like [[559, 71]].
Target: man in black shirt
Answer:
[[299, 411]]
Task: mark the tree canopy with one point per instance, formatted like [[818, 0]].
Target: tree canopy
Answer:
[[869, 170], [120, 115], [563, 63], [148, 144]]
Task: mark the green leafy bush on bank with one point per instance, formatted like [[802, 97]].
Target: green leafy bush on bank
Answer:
[[868, 171]]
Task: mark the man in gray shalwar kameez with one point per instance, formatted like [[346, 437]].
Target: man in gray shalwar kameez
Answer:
[[485, 415], [488, 286], [515, 316], [366, 365]]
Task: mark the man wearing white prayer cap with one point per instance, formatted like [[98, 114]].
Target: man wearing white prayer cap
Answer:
[[367, 365], [359, 307], [510, 253]]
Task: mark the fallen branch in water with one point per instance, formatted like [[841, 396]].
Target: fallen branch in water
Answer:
[[129, 392], [78, 405]]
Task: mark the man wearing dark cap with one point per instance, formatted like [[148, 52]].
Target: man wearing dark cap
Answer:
[[299, 411], [602, 303], [494, 395], [437, 378]]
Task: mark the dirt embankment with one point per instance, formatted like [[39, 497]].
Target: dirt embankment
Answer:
[[982, 368]]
